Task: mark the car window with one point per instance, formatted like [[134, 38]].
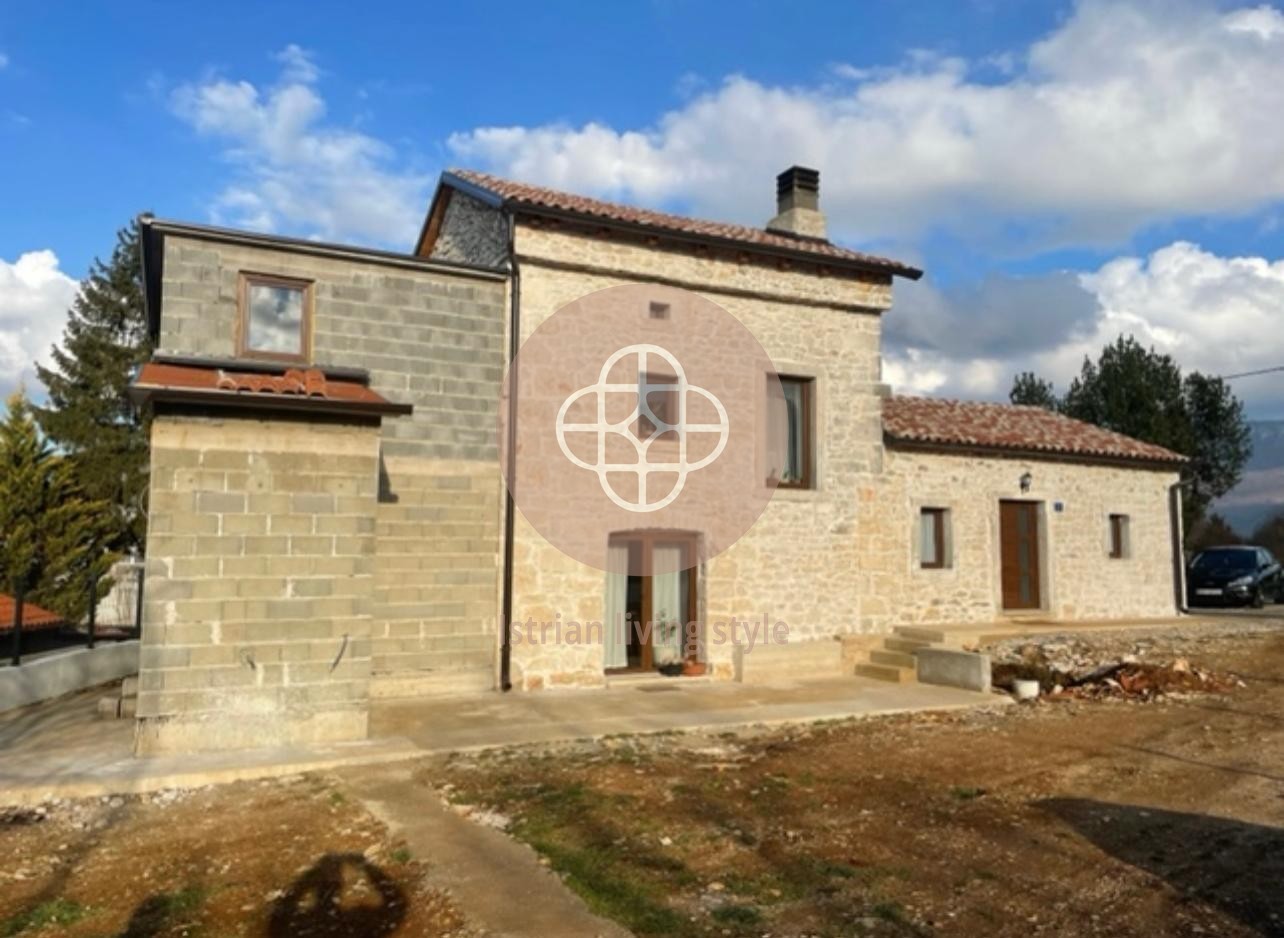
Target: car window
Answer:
[[1236, 559]]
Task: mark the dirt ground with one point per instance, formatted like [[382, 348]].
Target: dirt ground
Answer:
[[1076, 817], [1080, 816], [279, 858]]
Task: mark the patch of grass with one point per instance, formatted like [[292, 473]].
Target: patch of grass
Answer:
[[165, 911], [337, 798], [402, 855], [54, 912], [609, 889], [966, 792], [743, 915], [889, 912]]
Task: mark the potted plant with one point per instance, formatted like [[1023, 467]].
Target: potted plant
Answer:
[[668, 658], [693, 666]]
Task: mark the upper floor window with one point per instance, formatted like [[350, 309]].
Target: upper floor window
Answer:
[[790, 451], [1118, 537], [657, 406], [275, 317]]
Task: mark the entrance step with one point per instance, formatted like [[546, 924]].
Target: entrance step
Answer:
[[885, 672], [917, 633], [906, 645], [893, 659]]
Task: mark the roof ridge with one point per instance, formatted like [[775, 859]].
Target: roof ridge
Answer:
[[559, 200]]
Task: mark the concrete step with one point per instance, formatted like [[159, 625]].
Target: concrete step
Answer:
[[921, 634], [129, 687], [893, 659], [906, 645], [108, 708], [883, 672]]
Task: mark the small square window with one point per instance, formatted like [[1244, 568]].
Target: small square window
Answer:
[[790, 451], [1118, 537], [659, 311], [275, 317], [933, 540]]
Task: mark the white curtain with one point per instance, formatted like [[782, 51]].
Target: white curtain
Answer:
[[669, 616], [615, 633]]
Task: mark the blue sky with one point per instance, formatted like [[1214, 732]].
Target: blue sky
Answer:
[[1064, 171]]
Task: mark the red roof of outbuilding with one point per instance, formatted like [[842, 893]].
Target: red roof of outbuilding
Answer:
[[540, 198], [293, 388], [34, 617], [1010, 427]]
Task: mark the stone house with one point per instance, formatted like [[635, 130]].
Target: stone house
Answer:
[[330, 524]]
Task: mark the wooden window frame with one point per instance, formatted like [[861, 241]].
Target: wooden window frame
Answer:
[[643, 542], [808, 384], [938, 516], [1117, 524], [247, 279]]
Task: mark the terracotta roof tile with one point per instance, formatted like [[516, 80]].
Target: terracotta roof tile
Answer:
[[301, 387], [1010, 427], [33, 617], [537, 197]]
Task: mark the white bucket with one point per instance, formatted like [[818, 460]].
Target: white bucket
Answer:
[[1025, 689]]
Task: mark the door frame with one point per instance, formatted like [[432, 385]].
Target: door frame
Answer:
[[644, 540], [1040, 567]]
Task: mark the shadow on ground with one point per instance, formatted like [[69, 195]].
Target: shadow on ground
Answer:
[[341, 894], [1233, 865]]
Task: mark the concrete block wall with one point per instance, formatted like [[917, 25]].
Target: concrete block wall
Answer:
[[259, 592], [430, 337]]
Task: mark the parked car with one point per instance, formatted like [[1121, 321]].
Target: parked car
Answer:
[[1234, 576]]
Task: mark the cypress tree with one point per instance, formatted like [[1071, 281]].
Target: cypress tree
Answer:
[[88, 416], [53, 539]]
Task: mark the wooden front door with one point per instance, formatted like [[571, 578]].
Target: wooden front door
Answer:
[[1019, 554]]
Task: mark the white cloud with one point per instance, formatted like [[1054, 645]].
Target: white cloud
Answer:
[[34, 298], [1219, 315], [297, 172], [1125, 115]]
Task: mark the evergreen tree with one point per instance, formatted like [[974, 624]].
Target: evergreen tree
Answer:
[[88, 416], [1139, 392], [1029, 388], [1213, 531], [1270, 534], [52, 538]]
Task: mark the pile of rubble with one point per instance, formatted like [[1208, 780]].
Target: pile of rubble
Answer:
[[1071, 668]]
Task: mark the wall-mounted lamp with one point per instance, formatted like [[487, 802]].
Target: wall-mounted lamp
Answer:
[[1026, 481]]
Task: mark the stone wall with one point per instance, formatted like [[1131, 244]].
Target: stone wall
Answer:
[[430, 336], [796, 564], [259, 595], [1079, 578]]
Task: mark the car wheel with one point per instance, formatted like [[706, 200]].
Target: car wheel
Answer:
[[1258, 600]]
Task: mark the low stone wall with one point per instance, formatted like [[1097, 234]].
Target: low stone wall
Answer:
[[65, 672]]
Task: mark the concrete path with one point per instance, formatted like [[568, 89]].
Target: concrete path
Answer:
[[498, 882], [61, 749], [482, 721]]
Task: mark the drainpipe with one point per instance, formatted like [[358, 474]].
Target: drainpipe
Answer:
[[510, 430], [1179, 542]]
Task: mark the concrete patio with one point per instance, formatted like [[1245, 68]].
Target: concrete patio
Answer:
[[61, 749]]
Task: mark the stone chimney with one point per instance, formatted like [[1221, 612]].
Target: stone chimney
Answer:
[[798, 204]]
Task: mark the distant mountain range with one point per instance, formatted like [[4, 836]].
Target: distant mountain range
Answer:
[[1260, 493]]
